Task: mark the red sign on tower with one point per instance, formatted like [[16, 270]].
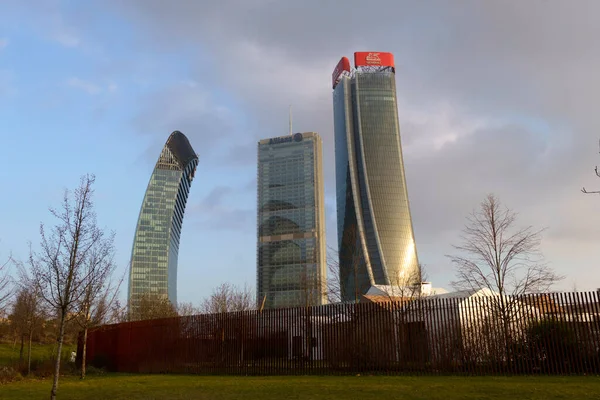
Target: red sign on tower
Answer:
[[343, 65], [363, 59]]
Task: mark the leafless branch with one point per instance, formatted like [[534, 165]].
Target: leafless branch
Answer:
[[63, 267], [583, 190], [153, 306], [6, 283], [228, 298], [28, 312], [334, 286], [506, 260]]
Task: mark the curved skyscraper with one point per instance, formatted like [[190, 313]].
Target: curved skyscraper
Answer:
[[375, 234], [156, 241]]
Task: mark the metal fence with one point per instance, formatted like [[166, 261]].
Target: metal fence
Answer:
[[556, 333]]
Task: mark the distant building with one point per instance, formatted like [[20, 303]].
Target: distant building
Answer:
[[387, 293], [375, 234], [291, 222], [156, 242]]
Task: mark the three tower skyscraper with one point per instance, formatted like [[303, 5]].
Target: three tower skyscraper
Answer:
[[375, 235]]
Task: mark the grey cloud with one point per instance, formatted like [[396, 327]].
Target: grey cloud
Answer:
[[496, 96], [187, 108], [218, 211], [230, 220], [446, 184], [216, 197], [242, 154], [46, 18]]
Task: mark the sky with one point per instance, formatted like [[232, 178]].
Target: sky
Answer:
[[494, 97]]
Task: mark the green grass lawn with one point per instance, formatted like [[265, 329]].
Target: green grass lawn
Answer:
[[9, 353], [133, 387]]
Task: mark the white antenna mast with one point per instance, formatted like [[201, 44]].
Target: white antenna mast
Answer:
[[290, 120]]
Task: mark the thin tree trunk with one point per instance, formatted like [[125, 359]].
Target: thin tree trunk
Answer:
[[21, 351], [84, 349], [61, 335], [29, 353]]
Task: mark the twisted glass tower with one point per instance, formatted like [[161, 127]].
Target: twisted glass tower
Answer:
[[156, 242], [375, 234]]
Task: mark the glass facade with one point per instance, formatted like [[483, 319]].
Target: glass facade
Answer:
[[156, 242], [375, 235], [291, 222]]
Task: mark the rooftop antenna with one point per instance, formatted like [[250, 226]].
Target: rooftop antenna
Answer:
[[290, 120]]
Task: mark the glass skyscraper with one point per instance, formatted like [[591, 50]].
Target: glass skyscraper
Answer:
[[375, 234], [291, 222], [156, 242]]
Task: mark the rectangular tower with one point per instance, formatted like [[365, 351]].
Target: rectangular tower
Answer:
[[375, 234], [291, 265]]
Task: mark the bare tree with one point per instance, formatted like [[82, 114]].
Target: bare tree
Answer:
[[502, 258], [153, 306], [498, 256], [597, 174], [118, 313], [334, 285], [312, 290], [99, 293], [405, 286], [230, 302], [27, 315], [187, 309], [228, 298], [5, 285], [58, 269]]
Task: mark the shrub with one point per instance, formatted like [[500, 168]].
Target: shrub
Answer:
[[553, 345], [9, 374]]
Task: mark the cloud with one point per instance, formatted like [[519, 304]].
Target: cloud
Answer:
[[217, 210], [66, 39], [89, 87], [190, 109], [493, 96], [86, 86]]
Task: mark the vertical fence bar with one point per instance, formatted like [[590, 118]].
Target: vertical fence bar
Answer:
[[373, 336], [397, 348], [442, 337], [547, 329], [472, 340], [561, 354], [594, 318], [524, 310], [446, 331], [577, 324], [466, 360], [435, 336], [543, 323], [431, 335], [457, 343], [551, 333], [595, 308]]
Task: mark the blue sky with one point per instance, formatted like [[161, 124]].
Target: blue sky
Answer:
[[493, 97]]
